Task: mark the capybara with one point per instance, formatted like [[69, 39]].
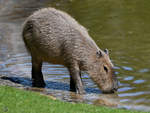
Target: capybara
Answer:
[[53, 36]]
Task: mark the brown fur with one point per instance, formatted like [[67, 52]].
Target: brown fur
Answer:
[[53, 36]]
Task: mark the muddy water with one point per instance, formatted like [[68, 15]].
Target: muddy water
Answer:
[[121, 26]]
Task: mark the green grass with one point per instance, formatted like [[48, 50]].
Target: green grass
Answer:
[[14, 100]]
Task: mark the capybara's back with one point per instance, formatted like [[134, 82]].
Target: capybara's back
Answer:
[[53, 36]]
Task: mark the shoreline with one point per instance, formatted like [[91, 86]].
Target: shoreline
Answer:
[[10, 82]]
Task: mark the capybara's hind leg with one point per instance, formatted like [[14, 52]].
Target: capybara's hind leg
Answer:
[[72, 85], [37, 76]]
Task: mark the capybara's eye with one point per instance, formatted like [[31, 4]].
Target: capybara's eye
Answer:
[[105, 68]]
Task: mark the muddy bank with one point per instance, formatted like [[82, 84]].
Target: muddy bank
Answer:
[[6, 81], [61, 91]]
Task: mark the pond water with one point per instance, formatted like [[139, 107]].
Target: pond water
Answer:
[[122, 26]]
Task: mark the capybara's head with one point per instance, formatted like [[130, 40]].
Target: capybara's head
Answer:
[[103, 72]]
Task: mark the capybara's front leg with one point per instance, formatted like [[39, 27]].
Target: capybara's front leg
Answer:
[[37, 76], [75, 81]]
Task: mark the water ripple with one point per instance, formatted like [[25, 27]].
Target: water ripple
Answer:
[[131, 94], [139, 81], [127, 68]]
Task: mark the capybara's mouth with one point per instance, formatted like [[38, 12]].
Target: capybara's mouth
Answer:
[[109, 91]]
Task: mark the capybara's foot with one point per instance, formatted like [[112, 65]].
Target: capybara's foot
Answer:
[[38, 84], [77, 91]]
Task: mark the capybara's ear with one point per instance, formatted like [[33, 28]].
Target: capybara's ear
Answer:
[[99, 54], [106, 51]]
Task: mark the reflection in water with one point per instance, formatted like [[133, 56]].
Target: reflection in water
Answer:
[[121, 26], [108, 100]]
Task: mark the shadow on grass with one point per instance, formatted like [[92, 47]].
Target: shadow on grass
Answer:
[[49, 84]]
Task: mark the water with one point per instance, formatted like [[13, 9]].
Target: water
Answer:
[[122, 26]]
